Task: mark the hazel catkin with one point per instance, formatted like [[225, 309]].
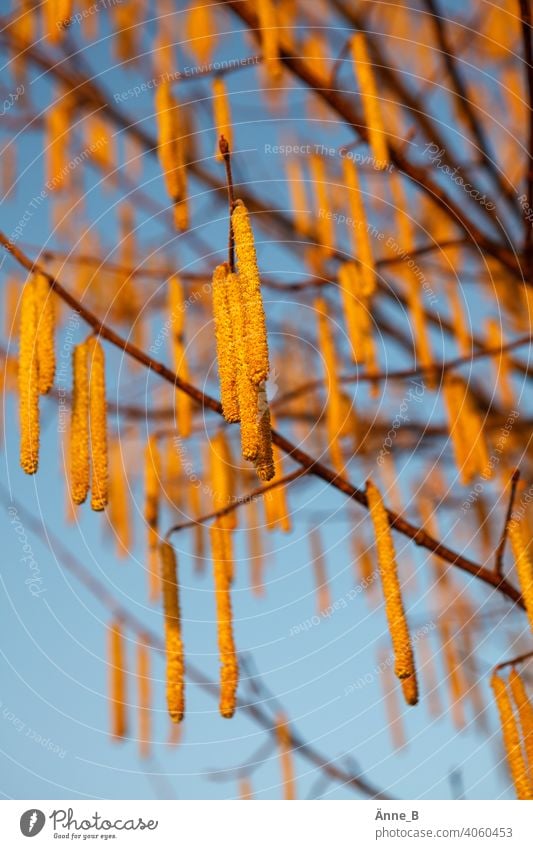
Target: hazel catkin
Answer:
[[173, 639]]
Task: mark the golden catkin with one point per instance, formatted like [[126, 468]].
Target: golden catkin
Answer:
[[57, 127], [117, 681], [299, 203], [454, 674], [152, 489], [252, 301], [222, 474], [246, 389], [324, 218], [226, 345], [173, 639], [502, 376], [200, 30], [171, 151], [144, 695], [276, 506], [119, 514], [194, 494], [511, 739], [410, 689], [370, 100], [524, 566], [176, 310], [57, 15], [44, 305], [264, 463], [268, 26], [399, 631], [286, 758], [525, 713], [466, 430], [255, 547], [361, 244], [229, 669], [79, 426], [222, 115], [28, 382], [334, 419], [323, 597], [97, 423]]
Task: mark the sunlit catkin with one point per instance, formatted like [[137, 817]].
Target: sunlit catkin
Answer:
[[222, 115], [173, 639], [79, 426], [252, 301], [246, 390], [325, 224], [410, 689], [144, 695], [268, 26], [286, 758], [117, 680], [97, 423], [44, 304], [370, 100], [226, 344], [399, 631], [511, 739], [334, 418], [222, 475], [28, 382], [119, 512], [524, 566], [152, 489], [359, 232], [264, 463], [176, 310], [525, 713], [229, 669]]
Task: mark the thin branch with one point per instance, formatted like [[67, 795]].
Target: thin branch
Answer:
[[498, 559], [520, 659], [223, 146]]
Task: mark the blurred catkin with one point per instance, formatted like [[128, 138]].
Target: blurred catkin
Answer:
[[173, 637], [28, 382], [222, 115], [268, 26], [370, 99], [171, 150], [256, 343], [79, 426], [144, 695], [117, 666], [229, 669], [286, 758], [525, 713], [399, 631], [98, 423], [511, 739], [44, 304], [176, 310], [228, 365]]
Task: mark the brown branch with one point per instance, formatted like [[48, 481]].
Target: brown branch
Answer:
[[71, 562], [314, 467], [223, 146], [514, 661], [498, 559]]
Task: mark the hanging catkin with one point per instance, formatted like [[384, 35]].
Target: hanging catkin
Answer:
[[226, 344], [222, 115], [370, 100], [454, 673], [334, 420], [361, 244], [44, 304], [511, 739], [410, 689], [286, 758], [222, 473], [264, 463], [79, 426], [324, 219], [119, 514], [399, 631], [176, 310], [524, 566], [117, 667], [173, 638], [268, 26], [152, 489], [502, 376], [276, 506], [252, 302], [28, 382], [200, 30], [255, 548], [525, 713], [57, 129], [171, 152], [144, 694], [246, 390], [229, 669], [298, 196], [98, 423]]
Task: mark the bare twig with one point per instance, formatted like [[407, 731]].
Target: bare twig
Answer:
[[498, 559]]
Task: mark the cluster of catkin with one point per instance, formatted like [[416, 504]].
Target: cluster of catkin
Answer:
[[242, 347], [37, 362], [171, 150], [88, 425], [404, 666], [517, 730], [466, 430]]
